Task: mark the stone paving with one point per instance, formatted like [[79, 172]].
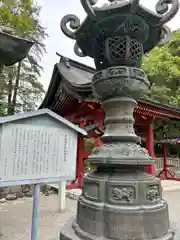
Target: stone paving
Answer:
[[15, 216]]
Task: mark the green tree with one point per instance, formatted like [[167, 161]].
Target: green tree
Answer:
[[19, 15], [162, 66], [21, 89]]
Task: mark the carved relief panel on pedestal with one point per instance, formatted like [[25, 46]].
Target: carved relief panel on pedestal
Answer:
[[153, 193], [123, 193]]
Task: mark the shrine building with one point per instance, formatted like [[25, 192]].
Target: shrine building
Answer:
[[70, 95]]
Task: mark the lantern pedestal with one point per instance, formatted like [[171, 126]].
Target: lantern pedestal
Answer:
[[120, 200]]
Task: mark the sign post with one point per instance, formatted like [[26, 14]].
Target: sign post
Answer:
[[37, 147], [35, 215], [62, 196]]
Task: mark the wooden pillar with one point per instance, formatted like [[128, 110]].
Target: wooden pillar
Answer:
[[150, 147], [80, 161], [165, 168]]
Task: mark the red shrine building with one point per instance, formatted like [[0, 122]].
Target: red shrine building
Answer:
[[70, 95]]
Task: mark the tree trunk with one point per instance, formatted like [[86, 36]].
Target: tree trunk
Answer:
[[16, 87], [10, 89]]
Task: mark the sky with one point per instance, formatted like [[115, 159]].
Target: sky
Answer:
[[51, 14]]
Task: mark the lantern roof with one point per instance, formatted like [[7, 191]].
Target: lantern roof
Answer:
[[119, 18], [12, 48]]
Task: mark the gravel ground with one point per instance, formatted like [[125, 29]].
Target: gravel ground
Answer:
[[16, 216]]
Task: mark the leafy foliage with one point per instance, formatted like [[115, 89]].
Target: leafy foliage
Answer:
[[20, 88], [162, 66]]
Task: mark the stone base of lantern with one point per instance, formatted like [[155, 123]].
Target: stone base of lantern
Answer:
[[68, 233]]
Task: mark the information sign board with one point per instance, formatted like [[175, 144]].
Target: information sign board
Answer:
[[31, 152]]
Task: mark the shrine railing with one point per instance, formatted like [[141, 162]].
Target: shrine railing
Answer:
[[172, 163]]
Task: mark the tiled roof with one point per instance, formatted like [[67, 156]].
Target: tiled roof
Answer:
[[71, 84]]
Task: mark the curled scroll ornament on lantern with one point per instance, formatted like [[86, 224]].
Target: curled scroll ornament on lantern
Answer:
[[162, 7], [165, 35], [78, 51], [74, 25], [88, 7]]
